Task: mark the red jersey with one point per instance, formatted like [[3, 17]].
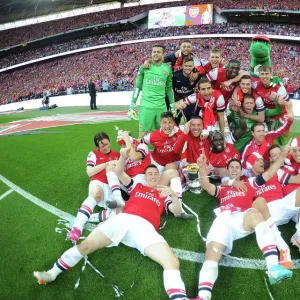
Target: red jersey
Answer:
[[230, 197], [206, 64], [133, 168], [265, 94], [259, 103], [145, 202], [218, 76], [191, 147], [163, 145], [291, 165], [220, 160], [272, 189], [289, 188], [268, 141], [96, 158]]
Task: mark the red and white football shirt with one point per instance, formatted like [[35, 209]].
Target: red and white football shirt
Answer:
[[265, 93], [163, 152], [145, 202], [220, 160], [218, 76], [133, 168], [272, 189], [96, 158], [231, 198], [206, 64]]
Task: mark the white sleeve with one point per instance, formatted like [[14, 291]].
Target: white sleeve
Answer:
[[146, 138], [259, 104], [212, 75], [91, 159], [221, 104], [282, 93], [143, 148], [191, 99]]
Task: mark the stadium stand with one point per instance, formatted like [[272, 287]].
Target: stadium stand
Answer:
[[267, 29], [24, 34], [108, 64]]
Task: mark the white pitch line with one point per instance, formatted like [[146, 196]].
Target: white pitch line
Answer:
[[6, 193], [227, 261]]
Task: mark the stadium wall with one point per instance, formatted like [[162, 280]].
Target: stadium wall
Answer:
[[103, 99]]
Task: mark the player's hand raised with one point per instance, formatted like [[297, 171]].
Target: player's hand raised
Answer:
[[201, 161], [187, 126], [287, 149], [125, 152]]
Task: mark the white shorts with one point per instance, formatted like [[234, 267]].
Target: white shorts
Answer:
[[107, 193], [283, 210], [226, 228], [130, 230], [160, 167], [137, 178]]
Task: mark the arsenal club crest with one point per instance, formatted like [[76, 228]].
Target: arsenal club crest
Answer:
[[193, 12]]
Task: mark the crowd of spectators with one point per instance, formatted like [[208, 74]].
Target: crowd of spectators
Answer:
[[24, 34], [136, 34], [117, 67]]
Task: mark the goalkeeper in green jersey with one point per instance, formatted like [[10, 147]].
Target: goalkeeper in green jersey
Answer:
[[155, 83]]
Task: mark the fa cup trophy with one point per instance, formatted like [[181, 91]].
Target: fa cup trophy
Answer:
[[193, 180]]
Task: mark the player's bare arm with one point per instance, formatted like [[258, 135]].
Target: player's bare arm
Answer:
[[175, 206], [206, 185], [119, 169], [278, 163]]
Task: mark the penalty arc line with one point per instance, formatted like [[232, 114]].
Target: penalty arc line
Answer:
[[227, 261]]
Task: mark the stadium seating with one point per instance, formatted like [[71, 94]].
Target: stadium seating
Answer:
[[119, 66], [19, 35]]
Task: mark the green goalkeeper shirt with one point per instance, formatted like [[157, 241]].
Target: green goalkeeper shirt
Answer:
[[155, 83]]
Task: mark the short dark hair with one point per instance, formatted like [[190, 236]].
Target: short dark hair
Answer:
[[245, 77], [187, 59], [99, 137], [151, 166], [234, 61], [204, 79], [274, 146], [159, 46], [197, 118], [248, 96], [213, 133], [232, 160], [167, 114], [257, 124], [186, 41]]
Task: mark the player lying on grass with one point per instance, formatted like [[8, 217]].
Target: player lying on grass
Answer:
[[236, 219], [291, 191], [135, 227], [104, 187]]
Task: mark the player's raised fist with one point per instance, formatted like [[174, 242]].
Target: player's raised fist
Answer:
[[125, 152], [201, 161]]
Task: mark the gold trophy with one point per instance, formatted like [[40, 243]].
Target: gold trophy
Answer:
[[193, 180]]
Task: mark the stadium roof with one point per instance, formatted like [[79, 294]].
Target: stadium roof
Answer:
[[13, 10]]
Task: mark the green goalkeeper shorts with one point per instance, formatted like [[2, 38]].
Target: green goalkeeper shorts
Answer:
[[149, 117]]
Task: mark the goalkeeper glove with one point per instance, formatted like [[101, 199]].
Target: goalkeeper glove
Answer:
[[132, 112], [173, 110]]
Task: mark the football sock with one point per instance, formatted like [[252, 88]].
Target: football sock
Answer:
[[68, 260], [207, 277], [173, 284], [280, 243], [266, 242], [84, 212], [114, 183], [176, 186]]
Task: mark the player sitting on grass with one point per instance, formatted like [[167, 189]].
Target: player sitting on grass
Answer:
[[236, 219], [104, 187], [135, 227]]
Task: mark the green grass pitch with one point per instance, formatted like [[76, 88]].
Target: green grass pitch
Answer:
[[52, 168]]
